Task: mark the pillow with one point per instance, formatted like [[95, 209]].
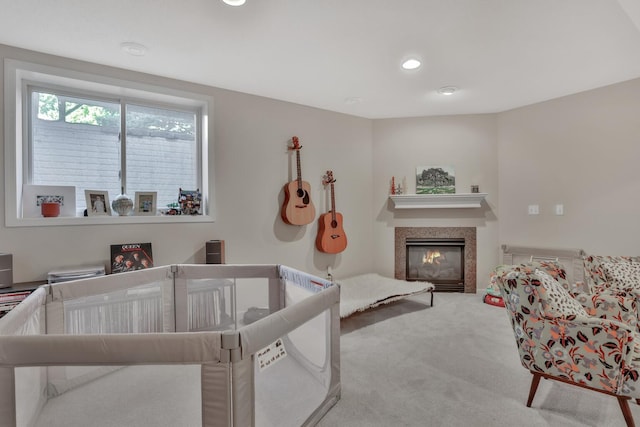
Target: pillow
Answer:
[[555, 270], [623, 275], [594, 270], [555, 299]]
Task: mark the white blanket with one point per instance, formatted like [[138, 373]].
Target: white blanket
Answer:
[[359, 293]]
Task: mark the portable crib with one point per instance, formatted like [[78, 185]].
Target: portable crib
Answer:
[[173, 346]]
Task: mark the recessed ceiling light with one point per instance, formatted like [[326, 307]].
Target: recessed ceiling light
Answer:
[[135, 49], [447, 90], [411, 64], [234, 2], [353, 100]]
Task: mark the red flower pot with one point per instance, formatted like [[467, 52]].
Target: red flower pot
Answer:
[[50, 209]]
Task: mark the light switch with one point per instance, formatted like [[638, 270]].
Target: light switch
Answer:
[[534, 209], [559, 209]]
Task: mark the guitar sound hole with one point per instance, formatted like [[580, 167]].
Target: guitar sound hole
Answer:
[[304, 196], [334, 224]]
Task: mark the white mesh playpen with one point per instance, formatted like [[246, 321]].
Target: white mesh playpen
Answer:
[[181, 345]]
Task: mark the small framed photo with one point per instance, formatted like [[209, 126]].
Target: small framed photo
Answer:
[[189, 201], [145, 203], [34, 195], [97, 202]]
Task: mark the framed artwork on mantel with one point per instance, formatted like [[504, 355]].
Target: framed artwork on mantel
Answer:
[[435, 180]]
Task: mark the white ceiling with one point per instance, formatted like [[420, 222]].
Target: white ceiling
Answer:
[[502, 54]]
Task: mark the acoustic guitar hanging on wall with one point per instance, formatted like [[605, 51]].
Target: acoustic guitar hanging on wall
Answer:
[[297, 208], [331, 237]]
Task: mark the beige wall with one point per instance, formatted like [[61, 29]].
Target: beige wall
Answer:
[[581, 151], [251, 167], [469, 144]]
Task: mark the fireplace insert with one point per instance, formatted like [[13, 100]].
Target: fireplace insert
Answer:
[[436, 260]]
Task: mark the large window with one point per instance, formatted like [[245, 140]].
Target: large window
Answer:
[[82, 141], [79, 130]]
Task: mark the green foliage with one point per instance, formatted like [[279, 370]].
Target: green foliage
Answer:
[[140, 121], [90, 114], [436, 190], [48, 107]]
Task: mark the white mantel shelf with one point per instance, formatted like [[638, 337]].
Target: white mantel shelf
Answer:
[[424, 201]]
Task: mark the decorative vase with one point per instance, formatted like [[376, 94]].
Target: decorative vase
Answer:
[[50, 209], [122, 204]]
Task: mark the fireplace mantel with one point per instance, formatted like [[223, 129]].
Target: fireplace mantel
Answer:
[[423, 201]]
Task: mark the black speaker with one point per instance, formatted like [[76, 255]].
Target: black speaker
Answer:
[[215, 252], [6, 270]]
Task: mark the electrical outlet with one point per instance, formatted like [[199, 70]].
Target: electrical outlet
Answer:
[[559, 209], [534, 209]]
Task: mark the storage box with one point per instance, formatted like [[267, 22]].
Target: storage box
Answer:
[[74, 273], [6, 270]]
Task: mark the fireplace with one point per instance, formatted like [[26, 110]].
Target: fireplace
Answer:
[[436, 260], [416, 256]]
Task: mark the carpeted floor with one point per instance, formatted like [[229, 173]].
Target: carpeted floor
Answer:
[[454, 364]]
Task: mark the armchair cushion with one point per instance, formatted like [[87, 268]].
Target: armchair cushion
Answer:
[[555, 299]]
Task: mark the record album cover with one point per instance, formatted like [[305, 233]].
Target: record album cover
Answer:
[[131, 257]]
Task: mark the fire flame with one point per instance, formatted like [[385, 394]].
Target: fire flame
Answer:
[[431, 257]]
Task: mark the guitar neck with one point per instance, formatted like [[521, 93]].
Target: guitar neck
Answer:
[[333, 204], [299, 169]]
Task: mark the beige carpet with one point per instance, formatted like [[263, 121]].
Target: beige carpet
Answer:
[[454, 364]]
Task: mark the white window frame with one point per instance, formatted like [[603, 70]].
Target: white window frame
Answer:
[[19, 74]]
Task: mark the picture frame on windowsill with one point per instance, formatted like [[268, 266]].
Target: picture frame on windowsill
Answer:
[[34, 195], [190, 202], [97, 203], [146, 203]]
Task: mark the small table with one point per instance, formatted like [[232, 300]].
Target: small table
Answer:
[[22, 287]]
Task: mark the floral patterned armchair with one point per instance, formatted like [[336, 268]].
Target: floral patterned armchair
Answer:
[[604, 302], [559, 339]]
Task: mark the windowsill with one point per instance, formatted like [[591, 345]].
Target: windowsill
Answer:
[[107, 220]]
